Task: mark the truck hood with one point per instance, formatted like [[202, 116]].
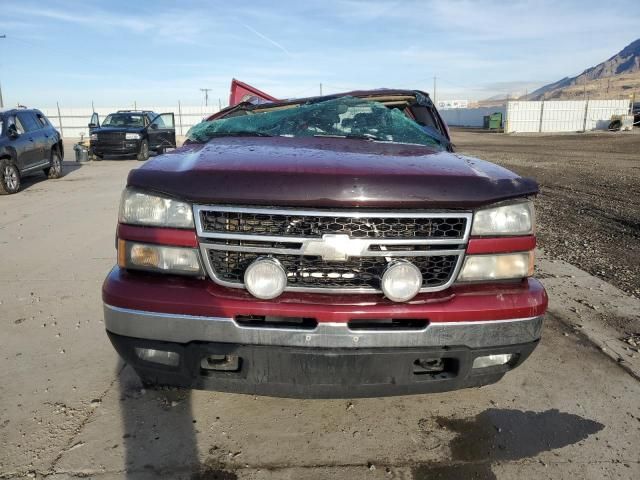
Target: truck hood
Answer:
[[327, 172]]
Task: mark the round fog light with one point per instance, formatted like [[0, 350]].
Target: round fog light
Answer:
[[401, 281], [265, 278]]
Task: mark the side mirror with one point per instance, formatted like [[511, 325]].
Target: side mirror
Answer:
[[93, 125], [153, 126], [12, 132]]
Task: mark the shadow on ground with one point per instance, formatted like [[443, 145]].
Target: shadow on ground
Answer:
[[38, 177], [160, 433]]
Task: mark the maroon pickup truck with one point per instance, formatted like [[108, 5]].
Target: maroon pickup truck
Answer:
[[324, 247]]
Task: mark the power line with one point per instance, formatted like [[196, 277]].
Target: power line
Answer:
[[206, 96]]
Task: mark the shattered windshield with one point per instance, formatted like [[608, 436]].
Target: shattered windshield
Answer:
[[345, 117], [123, 120]]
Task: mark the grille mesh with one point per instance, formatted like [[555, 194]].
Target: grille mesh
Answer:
[[112, 138], [314, 272], [316, 226]]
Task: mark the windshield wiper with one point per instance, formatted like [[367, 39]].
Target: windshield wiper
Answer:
[[364, 136], [238, 134], [357, 136]]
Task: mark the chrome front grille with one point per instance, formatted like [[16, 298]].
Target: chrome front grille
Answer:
[[301, 224], [331, 251]]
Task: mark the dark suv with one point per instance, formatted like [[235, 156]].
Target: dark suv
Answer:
[[131, 133], [28, 144]]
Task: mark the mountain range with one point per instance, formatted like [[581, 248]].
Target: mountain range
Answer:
[[619, 76]]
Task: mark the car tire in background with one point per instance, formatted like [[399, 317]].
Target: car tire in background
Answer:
[[54, 170], [143, 153], [9, 177]]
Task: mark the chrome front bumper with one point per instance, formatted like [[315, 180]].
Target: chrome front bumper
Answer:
[[187, 328]]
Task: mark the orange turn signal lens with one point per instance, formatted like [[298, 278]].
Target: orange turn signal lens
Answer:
[[168, 259], [144, 256]]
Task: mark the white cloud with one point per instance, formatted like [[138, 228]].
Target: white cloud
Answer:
[[95, 18]]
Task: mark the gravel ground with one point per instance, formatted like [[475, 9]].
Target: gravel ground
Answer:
[[589, 203]]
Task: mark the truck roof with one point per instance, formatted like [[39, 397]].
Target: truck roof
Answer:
[[375, 94]]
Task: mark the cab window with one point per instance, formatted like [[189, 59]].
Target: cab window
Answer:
[[158, 122], [42, 120], [28, 121], [15, 121]]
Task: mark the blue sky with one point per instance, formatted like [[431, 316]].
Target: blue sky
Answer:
[[158, 52]]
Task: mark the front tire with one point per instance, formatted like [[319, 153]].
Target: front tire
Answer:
[[55, 168], [9, 177], [143, 153]]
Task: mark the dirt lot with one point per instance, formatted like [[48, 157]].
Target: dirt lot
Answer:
[[589, 206], [69, 408]]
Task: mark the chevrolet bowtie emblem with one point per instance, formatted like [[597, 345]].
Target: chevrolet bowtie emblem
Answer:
[[335, 247]]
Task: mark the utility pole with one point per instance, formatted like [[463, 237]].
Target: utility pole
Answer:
[[434, 90], [1, 101], [206, 96], [321, 89]]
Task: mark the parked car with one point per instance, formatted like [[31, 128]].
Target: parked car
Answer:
[[131, 133], [28, 144], [325, 247]]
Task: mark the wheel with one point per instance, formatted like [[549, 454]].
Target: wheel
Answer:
[[9, 177], [143, 153], [54, 170]]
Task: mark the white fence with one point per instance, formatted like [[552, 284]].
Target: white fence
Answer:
[[469, 117], [548, 116], [72, 122], [562, 116]]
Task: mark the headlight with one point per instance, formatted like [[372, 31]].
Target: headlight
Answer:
[[139, 208], [93, 137], [132, 136], [142, 256], [510, 219], [496, 267]]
